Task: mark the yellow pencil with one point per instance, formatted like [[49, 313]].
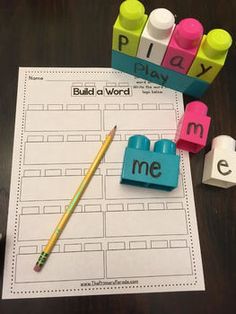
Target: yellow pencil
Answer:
[[78, 194]]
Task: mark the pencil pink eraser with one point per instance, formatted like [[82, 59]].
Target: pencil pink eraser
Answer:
[[37, 268]]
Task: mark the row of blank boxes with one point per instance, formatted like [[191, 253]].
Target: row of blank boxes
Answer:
[[35, 249], [79, 247], [133, 264], [153, 136], [55, 153], [89, 137], [29, 210], [154, 244], [108, 84], [64, 138], [115, 224], [96, 120], [142, 206], [56, 209], [57, 172], [132, 106], [147, 106], [52, 107], [74, 247]]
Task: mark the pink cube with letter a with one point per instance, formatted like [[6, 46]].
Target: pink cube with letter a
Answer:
[[183, 45], [193, 127]]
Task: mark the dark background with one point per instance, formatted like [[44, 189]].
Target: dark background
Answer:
[[78, 33]]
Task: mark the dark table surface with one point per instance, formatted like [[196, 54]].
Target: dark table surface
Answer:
[[78, 34]]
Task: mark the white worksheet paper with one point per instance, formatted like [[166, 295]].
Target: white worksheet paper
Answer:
[[121, 238]]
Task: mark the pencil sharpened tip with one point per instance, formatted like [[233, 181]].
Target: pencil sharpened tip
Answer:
[[37, 268], [113, 131]]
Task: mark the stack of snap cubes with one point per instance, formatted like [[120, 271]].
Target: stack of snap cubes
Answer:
[[177, 56], [181, 57]]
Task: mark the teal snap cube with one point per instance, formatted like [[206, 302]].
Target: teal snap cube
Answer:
[[157, 169]]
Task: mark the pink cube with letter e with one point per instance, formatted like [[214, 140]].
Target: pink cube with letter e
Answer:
[[183, 45], [193, 127]]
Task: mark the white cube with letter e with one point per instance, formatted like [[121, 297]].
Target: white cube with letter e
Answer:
[[220, 163]]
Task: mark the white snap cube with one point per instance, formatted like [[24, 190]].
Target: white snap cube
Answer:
[[156, 36], [220, 163]]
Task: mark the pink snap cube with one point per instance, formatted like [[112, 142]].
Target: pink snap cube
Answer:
[[193, 127], [183, 45]]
